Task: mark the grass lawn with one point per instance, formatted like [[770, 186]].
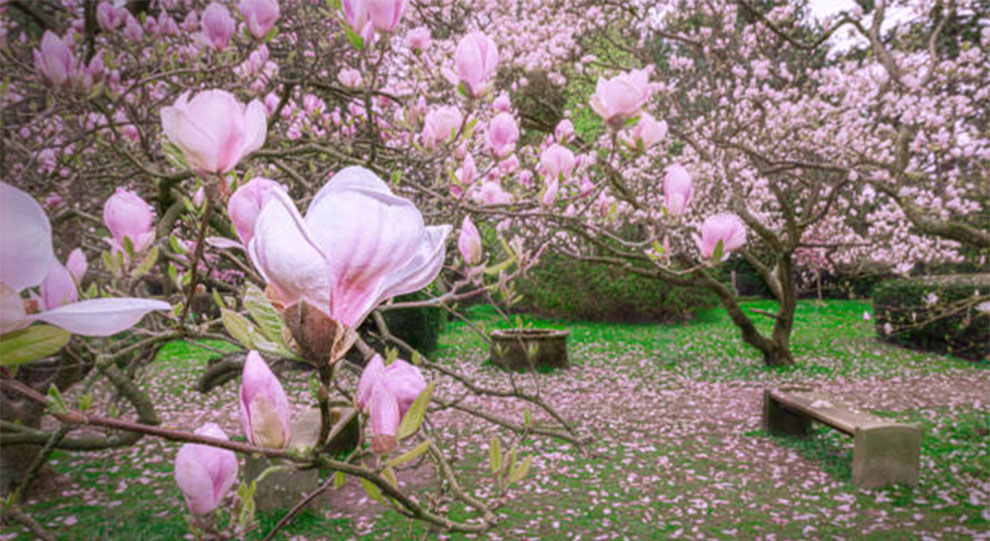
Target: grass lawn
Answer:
[[678, 450]]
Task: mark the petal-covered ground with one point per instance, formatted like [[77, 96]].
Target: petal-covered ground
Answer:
[[678, 450]]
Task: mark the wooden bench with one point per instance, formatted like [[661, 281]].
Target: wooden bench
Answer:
[[885, 452]]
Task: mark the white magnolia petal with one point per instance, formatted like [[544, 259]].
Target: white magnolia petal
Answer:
[[422, 268], [100, 317], [25, 239], [224, 243], [283, 251]]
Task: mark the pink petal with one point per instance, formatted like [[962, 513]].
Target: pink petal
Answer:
[[100, 317], [25, 239]]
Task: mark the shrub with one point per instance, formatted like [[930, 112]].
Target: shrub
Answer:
[[950, 324], [562, 287], [418, 327]]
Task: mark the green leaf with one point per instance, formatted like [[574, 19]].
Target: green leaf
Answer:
[[495, 455], [719, 251], [55, 401], [262, 312], [527, 419], [217, 300], [149, 261], [389, 475], [414, 417], [353, 37], [110, 263], [238, 326], [339, 479], [372, 490], [32, 343], [85, 402], [410, 455], [177, 246], [521, 470], [128, 246], [462, 88]]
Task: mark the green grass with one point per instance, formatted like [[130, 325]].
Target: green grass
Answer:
[[708, 479]]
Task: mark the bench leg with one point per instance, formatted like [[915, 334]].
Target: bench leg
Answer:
[[779, 421], [885, 455]]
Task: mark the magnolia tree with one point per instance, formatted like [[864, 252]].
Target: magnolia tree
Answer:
[[275, 173]]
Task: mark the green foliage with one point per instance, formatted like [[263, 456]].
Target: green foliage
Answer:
[[562, 287], [951, 324], [418, 327]]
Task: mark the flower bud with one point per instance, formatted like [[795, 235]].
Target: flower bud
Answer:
[[264, 406], [127, 215], [677, 189], [218, 26], [469, 242], [728, 229], [476, 58], [205, 473], [260, 16]]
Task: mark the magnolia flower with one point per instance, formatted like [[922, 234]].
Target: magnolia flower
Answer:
[[76, 264], [218, 26], [54, 61], [931, 299], [725, 228], [356, 15], [247, 202], [214, 130], [358, 245], [677, 189], [260, 16], [866, 316], [557, 162], [550, 194], [350, 78], [502, 134], [386, 394], [440, 124], [418, 38], [888, 328], [492, 193], [26, 259], [385, 14], [621, 97], [648, 131], [58, 287], [132, 28], [264, 406], [126, 215], [564, 131], [469, 242], [467, 172], [108, 16], [205, 473], [476, 58]]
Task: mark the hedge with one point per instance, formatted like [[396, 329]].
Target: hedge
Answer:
[[580, 290], [950, 324], [418, 327]]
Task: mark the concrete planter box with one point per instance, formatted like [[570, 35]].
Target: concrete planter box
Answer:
[[529, 348]]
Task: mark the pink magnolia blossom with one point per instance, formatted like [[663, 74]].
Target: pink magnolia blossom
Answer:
[[557, 162], [55, 62], [550, 193], [108, 16], [648, 131], [264, 406], [469, 242], [77, 265], [127, 215], [350, 78], [356, 15], [58, 287], [260, 16], [418, 39], [677, 189], [132, 28], [26, 258], [621, 97], [386, 394], [476, 58], [492, 193], [564, 131], [728, 229], [246, 204], [502, 134], [218, 26], [205, 473], [214, 130], [502, 103], [358, 245], [385, 14], [440, 124], [467, 172], [866, 316]]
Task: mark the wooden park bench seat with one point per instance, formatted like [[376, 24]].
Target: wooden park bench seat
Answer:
[[885, 452]]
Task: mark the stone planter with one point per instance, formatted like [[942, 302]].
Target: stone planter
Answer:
[[529, 348], [280, 490]]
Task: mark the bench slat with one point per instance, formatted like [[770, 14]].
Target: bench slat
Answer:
[[822, 410]]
